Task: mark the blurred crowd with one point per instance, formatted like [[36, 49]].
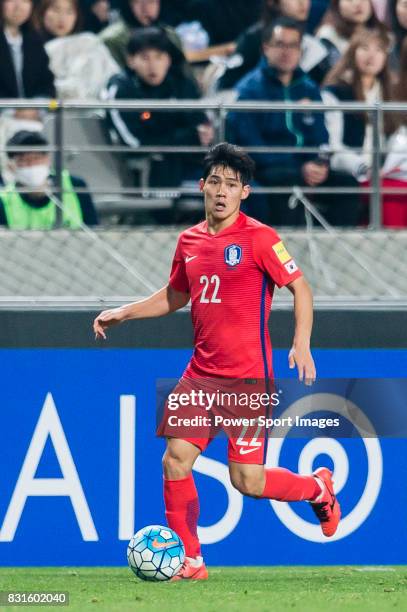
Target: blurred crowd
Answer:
[[299, 51]]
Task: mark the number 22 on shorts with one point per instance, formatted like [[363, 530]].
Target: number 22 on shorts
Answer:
[[251, 445]]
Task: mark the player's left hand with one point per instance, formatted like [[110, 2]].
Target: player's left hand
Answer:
[[302, 358]]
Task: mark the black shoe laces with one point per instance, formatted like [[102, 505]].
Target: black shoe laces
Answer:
[[321, 510], [183, 568]]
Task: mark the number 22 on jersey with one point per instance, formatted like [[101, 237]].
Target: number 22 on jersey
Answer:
[[210, 285]]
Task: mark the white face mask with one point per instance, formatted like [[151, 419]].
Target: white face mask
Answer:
[[32, 176]]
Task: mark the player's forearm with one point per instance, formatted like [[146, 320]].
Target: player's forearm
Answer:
[[162, 302], [303, 314]]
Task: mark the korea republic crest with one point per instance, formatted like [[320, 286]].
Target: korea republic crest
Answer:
[[233, 255]]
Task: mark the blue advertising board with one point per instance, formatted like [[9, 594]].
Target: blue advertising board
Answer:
[[80, 467]]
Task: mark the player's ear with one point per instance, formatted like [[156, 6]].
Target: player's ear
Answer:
[[201, 184], [245, 192]]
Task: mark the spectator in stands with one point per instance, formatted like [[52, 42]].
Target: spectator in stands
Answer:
[[135, 14], [210, 27], [362, 75], [398, 21], [401, 82], [24, 70], [341, 21], [381, 9], [96, 15], [79, 60], [153, 72], [14, 120], [317, 12], [224, 21], [394, 171], [52, 19], [174, 12], [249, 45], [35, 209], [278, 78]]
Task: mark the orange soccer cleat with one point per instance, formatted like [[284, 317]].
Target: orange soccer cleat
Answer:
[[326, 506], [192, 569]]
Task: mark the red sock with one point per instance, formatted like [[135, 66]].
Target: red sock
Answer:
[[283, 485], [182, 512]]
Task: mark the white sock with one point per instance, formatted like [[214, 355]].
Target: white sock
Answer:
[[195, 562], [322, 487]]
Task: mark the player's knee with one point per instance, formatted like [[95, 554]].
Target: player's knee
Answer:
[[248, 485], [175, 466]]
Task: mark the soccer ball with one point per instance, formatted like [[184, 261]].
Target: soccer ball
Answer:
[[155, 553]]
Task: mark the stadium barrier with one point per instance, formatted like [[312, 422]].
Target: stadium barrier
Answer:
[[105, 267], [146, 197], [97, 266]]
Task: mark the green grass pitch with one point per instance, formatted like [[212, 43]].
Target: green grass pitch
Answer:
[[251, 589]]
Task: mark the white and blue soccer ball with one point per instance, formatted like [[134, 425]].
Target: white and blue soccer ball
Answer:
[[155, 553]]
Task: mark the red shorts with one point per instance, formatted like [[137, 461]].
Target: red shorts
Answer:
[[198, 410]]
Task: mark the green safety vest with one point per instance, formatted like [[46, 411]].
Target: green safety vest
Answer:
[[21, 216]]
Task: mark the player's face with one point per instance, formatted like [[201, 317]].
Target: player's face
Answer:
[[223, 192]]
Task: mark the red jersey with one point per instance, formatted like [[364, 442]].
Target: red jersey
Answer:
[[231, 277]]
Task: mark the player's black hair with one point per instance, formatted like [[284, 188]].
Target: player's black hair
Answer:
[[229, 156], [281, 22]]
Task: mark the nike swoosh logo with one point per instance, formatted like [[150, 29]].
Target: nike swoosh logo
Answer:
[[158, 544], [187, 259], [245, 451]]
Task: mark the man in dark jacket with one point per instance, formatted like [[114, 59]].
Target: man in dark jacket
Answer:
[[153, 73], [278, 78], [249, 48]]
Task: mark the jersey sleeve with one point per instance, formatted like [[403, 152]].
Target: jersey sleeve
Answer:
[[273, 258], [178, 276]]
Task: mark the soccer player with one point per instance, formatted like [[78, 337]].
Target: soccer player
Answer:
[[228, 266]]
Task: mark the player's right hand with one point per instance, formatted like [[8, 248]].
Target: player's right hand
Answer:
[[302, 358], [106, 319]]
